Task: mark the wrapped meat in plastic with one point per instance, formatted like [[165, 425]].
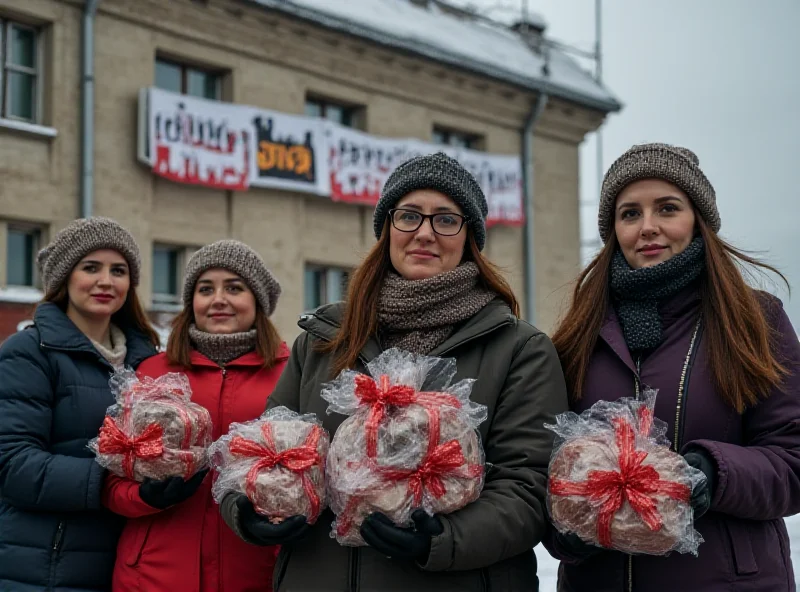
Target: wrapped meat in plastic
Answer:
[[616, 484], [278, 461], [154, 430], [403, 448]]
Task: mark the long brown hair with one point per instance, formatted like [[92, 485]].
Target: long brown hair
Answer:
[[360, 320], [741, 345], [179, 347], [130, 315]]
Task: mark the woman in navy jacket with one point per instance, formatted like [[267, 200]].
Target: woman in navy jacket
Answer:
[[54, 392]]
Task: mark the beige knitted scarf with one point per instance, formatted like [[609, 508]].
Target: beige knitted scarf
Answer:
[[222, 348], [418, 315]]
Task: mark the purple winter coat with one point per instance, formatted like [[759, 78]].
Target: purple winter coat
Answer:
[[758, 456]]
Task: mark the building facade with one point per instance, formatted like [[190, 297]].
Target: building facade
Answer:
[[351, 63]]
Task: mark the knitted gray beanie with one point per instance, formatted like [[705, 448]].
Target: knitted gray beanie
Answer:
[[680, 166], [237, 257], [441, 173], [79, 238]]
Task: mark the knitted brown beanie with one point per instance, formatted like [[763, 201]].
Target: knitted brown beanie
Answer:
[[240, 259], [78, 239], [680, 166]]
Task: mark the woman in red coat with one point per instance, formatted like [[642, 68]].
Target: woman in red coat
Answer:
[[224, 341]]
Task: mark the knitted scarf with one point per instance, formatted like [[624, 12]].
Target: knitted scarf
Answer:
[[418, 315], [636, 293], [220, 347], [115, 350]]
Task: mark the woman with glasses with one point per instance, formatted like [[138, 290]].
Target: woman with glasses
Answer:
[[425, 287]]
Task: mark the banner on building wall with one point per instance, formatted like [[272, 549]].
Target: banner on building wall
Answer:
[[234, 147]]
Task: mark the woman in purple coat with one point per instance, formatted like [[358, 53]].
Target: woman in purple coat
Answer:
[[665, 305]]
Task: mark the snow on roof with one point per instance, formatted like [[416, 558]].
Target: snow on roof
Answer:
[[484, 47]]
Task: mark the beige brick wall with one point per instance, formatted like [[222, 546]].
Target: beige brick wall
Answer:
[[404, 96]]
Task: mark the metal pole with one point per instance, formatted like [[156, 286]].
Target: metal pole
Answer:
[[87, 111], [598, 74]]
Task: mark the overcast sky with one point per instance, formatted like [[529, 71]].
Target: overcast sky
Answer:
[[721, 77]]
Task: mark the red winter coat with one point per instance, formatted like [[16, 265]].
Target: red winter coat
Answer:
[[188, 547]]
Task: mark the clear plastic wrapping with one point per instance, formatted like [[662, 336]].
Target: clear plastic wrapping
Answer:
[[154, 430], [616, 484], [278, 461], [410, 442]]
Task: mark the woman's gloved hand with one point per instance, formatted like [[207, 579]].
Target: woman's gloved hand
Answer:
[[413, 543], [258, 529], [168, 492], [703, 492]]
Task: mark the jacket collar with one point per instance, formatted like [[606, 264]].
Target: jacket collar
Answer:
[[248, 360], [57, 331], [326, 321]]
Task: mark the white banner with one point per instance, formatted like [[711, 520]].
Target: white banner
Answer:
[[228, 146]]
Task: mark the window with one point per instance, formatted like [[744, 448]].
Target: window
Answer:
[[188, 80], [21, 249], [341, 114], [453, 138], [19, 55], [166, 275], [324, 285]]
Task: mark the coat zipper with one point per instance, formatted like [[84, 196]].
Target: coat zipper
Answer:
[[59, 536], [53, 556], [680, 407], [354, 568]]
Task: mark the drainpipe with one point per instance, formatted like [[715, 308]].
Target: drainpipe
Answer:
[[527, 200], [87, 111]]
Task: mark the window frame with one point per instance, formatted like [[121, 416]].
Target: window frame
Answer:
[[168, 302], [323, 296], [471, 141], [28, 229], [6, 25], [185, 68], [350, 112]]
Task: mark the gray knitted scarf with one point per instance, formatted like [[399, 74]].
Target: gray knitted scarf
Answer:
[[636, 293], [222, 348], [418, 315]]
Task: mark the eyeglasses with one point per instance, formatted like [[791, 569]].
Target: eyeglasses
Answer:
[[442, 224]]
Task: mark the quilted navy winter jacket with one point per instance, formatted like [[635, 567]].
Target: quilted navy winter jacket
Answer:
[[54, 534]]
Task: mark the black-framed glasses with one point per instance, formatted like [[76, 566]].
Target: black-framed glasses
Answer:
[[446, 224]]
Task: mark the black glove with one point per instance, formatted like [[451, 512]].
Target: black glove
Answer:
[[702, 493], [384, 536], [260, 531], [578, 549], [168, 492]]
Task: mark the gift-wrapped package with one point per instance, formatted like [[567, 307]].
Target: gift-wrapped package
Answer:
[[278, 461], [154, 430], [616, 484], [410, 442]]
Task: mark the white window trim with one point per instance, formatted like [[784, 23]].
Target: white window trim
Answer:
[[33, 129], [21, 294]]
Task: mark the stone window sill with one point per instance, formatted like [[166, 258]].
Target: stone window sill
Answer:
[[32, 129]]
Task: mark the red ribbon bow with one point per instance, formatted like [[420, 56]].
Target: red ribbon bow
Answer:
[[148, 445], [637, 484], [380, 396], [440, 462], [298, 460]]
